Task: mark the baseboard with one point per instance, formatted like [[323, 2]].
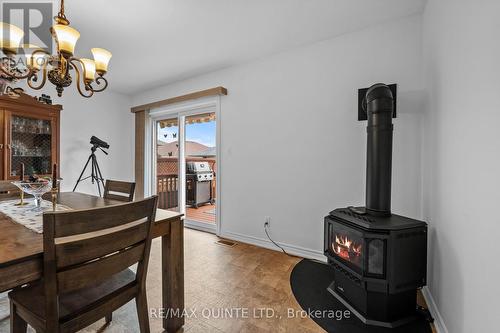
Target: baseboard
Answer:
[[438, 320], [265, 243], [205, 227]]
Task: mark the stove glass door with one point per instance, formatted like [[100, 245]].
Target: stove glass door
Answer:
[[347, 245]]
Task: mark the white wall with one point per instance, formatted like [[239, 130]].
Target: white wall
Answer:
[[462, 159], [105, 115], [292, 147]]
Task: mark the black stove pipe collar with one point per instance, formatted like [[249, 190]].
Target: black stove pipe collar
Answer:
[[380, 107]]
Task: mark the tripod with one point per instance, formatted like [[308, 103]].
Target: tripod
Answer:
[[95, 174]]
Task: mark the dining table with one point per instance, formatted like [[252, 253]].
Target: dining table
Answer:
[[21, 253]]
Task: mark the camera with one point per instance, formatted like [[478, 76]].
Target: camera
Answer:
[[98, 143]]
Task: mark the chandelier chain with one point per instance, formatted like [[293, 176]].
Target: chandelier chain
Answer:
[[61, 10], [61, 16]]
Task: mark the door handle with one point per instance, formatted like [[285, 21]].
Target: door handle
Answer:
[[1, 145]]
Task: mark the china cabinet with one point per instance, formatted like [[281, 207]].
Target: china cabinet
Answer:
[[29, 134]]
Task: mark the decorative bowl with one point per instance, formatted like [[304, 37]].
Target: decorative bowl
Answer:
[[36, 189]]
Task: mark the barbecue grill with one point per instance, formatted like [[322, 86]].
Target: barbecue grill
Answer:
[[199, 177]]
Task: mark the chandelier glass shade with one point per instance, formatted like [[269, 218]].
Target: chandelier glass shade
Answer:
[[37, 65], [101, 58], [88, 69], [10, 38], [66, 38]]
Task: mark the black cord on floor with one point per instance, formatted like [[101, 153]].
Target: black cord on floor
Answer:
[[282, 249]]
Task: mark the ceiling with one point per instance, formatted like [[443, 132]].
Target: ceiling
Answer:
[[156, 42]]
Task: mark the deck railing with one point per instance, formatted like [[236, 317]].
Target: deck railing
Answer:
[[167, 188], [168, 182]]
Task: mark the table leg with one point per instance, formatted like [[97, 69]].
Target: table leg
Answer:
[[173, 277]]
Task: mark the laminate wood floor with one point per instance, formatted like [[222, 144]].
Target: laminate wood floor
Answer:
[[239, 278]]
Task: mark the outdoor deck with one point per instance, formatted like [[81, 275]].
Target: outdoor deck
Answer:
[[167, 189], [205, 213]]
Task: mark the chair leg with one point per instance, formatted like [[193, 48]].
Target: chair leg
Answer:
[[109, 318], [141, 303], [17, 324]]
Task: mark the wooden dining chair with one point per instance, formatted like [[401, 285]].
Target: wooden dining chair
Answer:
[[118, 190], [8, 190], [86, 275]]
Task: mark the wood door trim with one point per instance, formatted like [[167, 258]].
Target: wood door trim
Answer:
[[194, 95], [140, 142]]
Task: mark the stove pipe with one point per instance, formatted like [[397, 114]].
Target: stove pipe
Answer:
[[380, 107]]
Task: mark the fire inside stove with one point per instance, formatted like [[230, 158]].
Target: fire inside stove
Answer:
[[347, 248]]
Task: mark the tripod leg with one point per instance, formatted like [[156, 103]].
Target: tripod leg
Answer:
[[95, 174], [81, 174], [99, 188], [99, 175], [92, 174]]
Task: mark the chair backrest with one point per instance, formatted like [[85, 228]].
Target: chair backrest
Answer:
[[85, 247], [118, 190], [8, 190]]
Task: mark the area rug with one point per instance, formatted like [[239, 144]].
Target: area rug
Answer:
[[309, 280]]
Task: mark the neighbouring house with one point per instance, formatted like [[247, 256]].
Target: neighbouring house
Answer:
[[171, 149], [167, 161]]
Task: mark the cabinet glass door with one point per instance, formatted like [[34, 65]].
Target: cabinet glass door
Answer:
[[31, 144]]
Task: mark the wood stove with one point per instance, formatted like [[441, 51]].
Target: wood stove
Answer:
[[379, 258]]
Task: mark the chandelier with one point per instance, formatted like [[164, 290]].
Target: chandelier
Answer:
[[37, 65]]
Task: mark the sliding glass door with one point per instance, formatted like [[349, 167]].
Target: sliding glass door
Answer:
[[167, 164], [201, 168], [185, 165]]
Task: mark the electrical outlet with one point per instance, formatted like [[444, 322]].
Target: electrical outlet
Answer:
[[267, 221]]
